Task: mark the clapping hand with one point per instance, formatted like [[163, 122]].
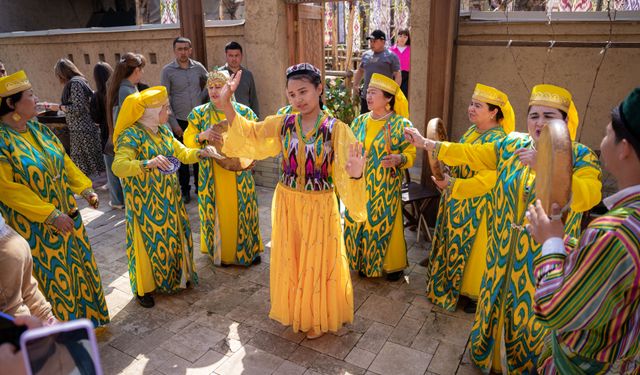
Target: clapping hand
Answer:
[[356, 161]]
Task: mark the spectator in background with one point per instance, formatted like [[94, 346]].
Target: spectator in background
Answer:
[[246, 91], [84, 134], [376, 60], [123, 82], [3, 70], [19, 293], [185, 80], [403, 50]]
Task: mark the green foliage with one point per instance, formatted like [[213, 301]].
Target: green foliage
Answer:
[[340, 102]]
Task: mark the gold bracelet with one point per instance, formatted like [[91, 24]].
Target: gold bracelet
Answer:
[[52, 216]]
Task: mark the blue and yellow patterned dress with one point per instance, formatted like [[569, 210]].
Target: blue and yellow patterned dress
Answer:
[[457, 259], [378, 244], [310, 285], [227, 201], [159, 243], [505, 307], [36, 178]]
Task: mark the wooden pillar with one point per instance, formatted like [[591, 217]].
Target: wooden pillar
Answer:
[[443, 30], [192, 26]]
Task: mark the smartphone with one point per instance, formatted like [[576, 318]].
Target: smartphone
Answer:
[[9, 331], [64, 348]]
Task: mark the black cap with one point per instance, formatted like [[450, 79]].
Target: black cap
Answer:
[[377, 34]]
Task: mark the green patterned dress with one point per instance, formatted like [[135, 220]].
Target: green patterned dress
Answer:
[[227, 201], [37, 176]]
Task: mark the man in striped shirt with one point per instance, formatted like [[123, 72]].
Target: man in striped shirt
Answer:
[[588, 290]]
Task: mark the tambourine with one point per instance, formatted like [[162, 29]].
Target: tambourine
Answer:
[[554, 167], [175, 165], [436, 132], [231, 164]]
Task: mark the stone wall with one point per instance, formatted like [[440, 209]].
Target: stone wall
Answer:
[[571, 67]]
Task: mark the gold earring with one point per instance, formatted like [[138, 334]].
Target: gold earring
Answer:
[[16, 117], [387, 107]]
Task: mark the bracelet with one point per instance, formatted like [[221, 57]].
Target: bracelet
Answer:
[[86, 192], [144, 165], [198, 138], [403, 160], [52, 216], [452, 181]]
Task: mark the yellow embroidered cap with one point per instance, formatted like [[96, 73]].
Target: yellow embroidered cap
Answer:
[[14, 83], [134, 105], [558, 98], [491, 95], [386, 84], [217, 76]]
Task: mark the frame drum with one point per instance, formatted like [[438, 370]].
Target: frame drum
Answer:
[[231, 164], [554, 165], [436, 132]]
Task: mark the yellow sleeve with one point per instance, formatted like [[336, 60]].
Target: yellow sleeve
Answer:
[[586, 183], [20, 198], [184, 154], [253, 140], [189, 136], [125, 163], [409, 152], [352, 192], [475, 156], [476, 186], [78, 181]]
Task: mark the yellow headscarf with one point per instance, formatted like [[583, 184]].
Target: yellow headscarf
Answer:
[[386, 84], [558, 98], [134, 106], [491, 95], [217, 76], [13, 84]]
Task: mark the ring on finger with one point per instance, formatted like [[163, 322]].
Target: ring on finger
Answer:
[[555, 217]]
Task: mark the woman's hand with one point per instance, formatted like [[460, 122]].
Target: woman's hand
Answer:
[[206, 135], [441, 184], [210, 152], [527, 157], [391, 161], [230, 87], [356, 161], [415, 138], [93, 200], [159, 161], [63, 223]]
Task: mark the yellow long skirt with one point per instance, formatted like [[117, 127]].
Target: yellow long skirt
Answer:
[[476, 264], [396, 257], [310, 280]]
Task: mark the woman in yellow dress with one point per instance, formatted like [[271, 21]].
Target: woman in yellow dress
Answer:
[[310, 283], [505, 319], [159, 243], [38, 181], [227, 201], [377, 245], [457, 259]]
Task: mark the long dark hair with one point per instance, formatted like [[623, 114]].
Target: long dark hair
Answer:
[[310, 77], [124, 68], [101, 73]]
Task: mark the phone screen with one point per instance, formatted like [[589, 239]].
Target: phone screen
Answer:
[[66, 353]]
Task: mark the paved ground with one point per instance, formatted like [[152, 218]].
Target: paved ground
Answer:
[[222, 325]]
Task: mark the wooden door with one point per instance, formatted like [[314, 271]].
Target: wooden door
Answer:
[[305, 33]]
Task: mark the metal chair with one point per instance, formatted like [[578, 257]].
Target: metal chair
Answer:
[[417, 197]]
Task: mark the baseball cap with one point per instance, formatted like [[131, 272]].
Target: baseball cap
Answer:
[[377, 34]]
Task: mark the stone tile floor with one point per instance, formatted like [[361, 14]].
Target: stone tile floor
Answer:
[[222, 325]]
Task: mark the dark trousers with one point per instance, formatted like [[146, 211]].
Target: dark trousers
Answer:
[[404, 86], [364, 108], [184, 174]]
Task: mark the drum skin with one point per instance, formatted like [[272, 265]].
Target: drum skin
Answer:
[[231, 164], [436, 132], [554, 165]]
